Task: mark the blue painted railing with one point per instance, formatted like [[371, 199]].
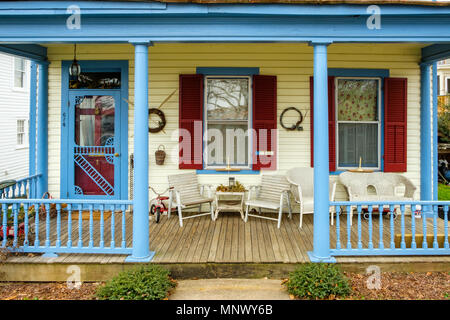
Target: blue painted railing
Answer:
[[23, 188], [403, 228], [65, 225]]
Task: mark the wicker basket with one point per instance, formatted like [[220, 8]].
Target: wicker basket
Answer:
[[160, 155]]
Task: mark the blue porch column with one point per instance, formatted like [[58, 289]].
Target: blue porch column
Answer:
[[32, 121], [42, 129], [141, 250], [425, 134], [435, 133], [321, 240]]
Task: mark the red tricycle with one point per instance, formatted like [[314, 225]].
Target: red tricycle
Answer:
[[157, 206]]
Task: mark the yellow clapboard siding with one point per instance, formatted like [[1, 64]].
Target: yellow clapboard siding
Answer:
[[291, 63]]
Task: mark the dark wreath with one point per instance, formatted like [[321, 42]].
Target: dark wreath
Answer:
[[297, 124], [161, 123]]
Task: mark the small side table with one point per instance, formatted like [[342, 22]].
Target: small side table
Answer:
[[229, 202]]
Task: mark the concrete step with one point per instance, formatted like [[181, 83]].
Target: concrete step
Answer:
[[230, 289]]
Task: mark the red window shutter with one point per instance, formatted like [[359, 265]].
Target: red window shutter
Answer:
[[191, 121], [395, 104], [331, 122], [264, 122]]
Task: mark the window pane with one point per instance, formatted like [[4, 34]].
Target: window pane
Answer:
[[18, 79], [94, 120], [357, 100], [227, 99], [20, 126], [358, 140], [19, 64], [227, 143], [96, 80], [19, 139]]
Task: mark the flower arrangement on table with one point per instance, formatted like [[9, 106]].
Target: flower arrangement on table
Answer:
[[237, 187]]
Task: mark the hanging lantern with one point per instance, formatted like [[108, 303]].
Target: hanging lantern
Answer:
[[75, 69]]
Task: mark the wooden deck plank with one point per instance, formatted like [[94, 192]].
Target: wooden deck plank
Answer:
[[297, 239], [182, 244], [248, 242], [293, 241], [164, 237], [278, 256], [289, 249], [170, 245], [254, 235], [204, 241], [241, 240], [159, 234], [225, 244], [190, 243], [220, 256], [262, 246], [235, 240], [207, 242], [215, 240]]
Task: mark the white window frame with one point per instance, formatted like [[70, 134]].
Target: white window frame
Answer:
[[447, 89], [25, 74], [24, 132], [379, 122], [249, 122]]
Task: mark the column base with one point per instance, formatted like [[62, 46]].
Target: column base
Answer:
[[49, 255], [140, 259], [315, 259]]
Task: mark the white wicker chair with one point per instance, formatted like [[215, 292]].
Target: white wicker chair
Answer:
[[302, 188], [274, 189], [188, 193], [385, 186]]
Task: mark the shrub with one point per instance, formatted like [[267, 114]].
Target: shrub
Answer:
[[318, 281], [144, 283]]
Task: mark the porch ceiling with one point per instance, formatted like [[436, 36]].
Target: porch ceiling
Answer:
[[45, 22]]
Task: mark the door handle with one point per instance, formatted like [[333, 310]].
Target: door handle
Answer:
[[116, 154]]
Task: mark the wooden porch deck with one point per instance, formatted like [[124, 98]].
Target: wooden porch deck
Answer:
[[227, 240]]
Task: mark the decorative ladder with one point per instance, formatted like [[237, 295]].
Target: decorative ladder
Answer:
[[101, 182]]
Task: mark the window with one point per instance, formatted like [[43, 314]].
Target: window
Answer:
[[228, 105], [19, 73], [228, 120], [368, 109], [20, 133], [96, 80], [447, 85], [358, 122]]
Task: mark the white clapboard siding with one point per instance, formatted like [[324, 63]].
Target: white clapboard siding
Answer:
[[291, 63], [14, 105]]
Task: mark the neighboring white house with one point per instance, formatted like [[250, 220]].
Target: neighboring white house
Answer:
[[14, 116], [444, 77]]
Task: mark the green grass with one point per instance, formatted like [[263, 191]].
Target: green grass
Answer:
[[443, 192]]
